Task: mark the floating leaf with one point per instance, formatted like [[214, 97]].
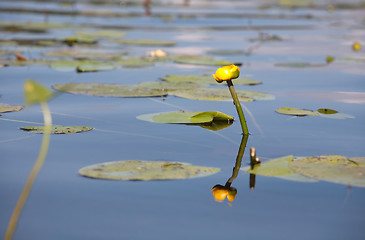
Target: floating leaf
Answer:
[[135, 62], [226, 52], [145, 170], [167, 85], [58, 129], [200, 60], [332, 168], [277, 167], [94, 67], [101, 34], [84, 54], [79, 40], [220, 94], [36, 93], [109, 90], [204, 80], [300, 65], [296, 111], [327, 111], [330, 113], [186, 117], [145, 42], [10, 108]]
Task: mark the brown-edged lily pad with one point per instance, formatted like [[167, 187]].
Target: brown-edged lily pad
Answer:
[[108, 90], [332, 168], [58, 129], [145, 170], [10, 108]]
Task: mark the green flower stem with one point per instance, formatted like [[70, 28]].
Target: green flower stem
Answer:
[[33, 174], [238, 107]]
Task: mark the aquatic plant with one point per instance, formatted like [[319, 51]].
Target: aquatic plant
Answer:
[[227, 73]]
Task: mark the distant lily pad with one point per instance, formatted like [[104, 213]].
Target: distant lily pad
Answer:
[[277, 167], [109, 90], [296, 111], [226, 52], [145, 42], [101, 34], [84, 54], [81, 66], [301, 65], [200, 60], [145, 170], [58, 129], [167, 85], [10, 108], [79, 40], [330, 113], [332, 168], [186, 117], [220, 94], [205, 80], [134, 62]]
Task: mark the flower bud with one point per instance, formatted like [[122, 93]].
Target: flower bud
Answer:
[[226, 73]]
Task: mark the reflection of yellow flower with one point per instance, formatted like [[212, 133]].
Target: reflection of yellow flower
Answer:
[[221, 192], [356, 46], [226, 73]]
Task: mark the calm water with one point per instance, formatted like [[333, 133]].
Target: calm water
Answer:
[[64, 205]]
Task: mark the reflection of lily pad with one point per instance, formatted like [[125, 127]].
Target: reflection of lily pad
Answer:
[[332, 168], [206, 79], [200, 60], [58, 129], [108, 90], [277, 167], [146, 42], [220, 94], [296, 111], [186, 117], [145, 170], [10, 108]]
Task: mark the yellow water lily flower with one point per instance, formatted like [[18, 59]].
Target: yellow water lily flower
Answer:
[[356, 46], [226, 73]]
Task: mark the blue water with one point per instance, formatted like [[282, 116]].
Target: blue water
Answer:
[[64, 205]]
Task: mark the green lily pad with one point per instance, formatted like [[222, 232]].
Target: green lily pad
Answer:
[[79, 40], [134, 62], [145, 42], [226, 52], [200, 60], [296, 111], [109, 90], [277, 167], [186, 117], [94, 67], [101, 34], [220, 94], [36, 93], [204, 80], [10, 108], [301, 65], [84, 54], [332, 168], [166, 85], [58, 129], [145, 170], [330, 113]]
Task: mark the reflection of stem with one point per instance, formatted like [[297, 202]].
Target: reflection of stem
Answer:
[[238, 107], [33, 174], [237, 166]]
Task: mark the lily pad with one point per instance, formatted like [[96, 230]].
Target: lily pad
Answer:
[[226, 52], [332, 168], [301, 65], [220, 94], [200, 60], [146, 42], [134, 62], [330, 113], [79, 40], [277, 167], [84, 54], [167, 85], [145, 170], [101, 34], [36, 93], [94, 67], [206, 79], [58, 129], [186, 117], [296, 111], [10, 108], [109, 90]]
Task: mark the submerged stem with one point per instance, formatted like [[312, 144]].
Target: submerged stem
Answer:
[[238, 107], [33, 174]]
